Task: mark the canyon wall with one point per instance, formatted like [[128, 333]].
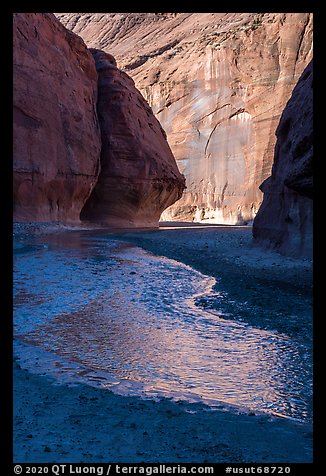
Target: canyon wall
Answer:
[[77, 126], [285, 218], [218, 83], [56, 149], [139, 177]]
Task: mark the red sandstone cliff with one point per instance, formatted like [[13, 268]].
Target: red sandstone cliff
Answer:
[[139, 177], [59, 147], [218, 83], [56, 132], [284, 220]]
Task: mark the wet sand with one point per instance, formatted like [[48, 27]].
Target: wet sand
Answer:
[[82, 424], [61, 423]]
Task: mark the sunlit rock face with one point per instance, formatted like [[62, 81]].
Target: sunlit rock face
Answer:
[[218, 83], [284, 220], [139, 177], [56, 150]]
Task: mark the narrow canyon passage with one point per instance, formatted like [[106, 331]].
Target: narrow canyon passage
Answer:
[[93, 309], [163, 238]]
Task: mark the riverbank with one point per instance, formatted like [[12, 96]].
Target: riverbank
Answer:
[[79, 423], [83, 424]]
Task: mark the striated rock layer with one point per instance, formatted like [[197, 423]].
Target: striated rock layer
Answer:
[[218, 83], [139, 177], [284, 220], [56, 150]]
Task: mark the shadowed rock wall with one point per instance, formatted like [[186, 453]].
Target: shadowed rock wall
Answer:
[[60, 144], [139, 177], [56, 154], [285, 218]]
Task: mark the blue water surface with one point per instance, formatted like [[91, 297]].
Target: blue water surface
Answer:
[[93, 309]]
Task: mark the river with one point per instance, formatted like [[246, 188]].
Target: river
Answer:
[[91, 308]]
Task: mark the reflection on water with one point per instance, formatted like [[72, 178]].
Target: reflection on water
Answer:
[[106, 313]]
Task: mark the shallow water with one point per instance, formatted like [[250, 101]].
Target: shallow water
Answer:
[[91, 309]]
